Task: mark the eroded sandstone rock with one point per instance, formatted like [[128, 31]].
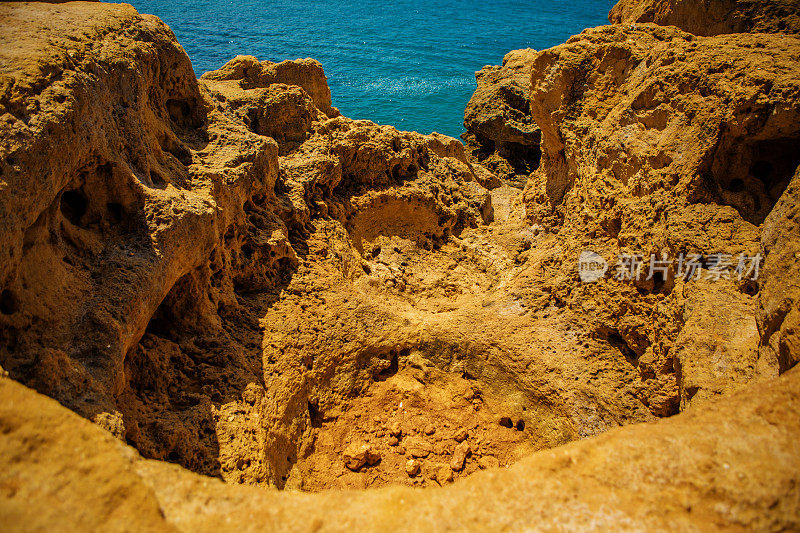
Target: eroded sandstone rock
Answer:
[[720, 130], [712, 17], [175, 227], [735, 459], [246, 283], [657, 142], [716, 350], [249, 73], [778, 314], [501, 134]]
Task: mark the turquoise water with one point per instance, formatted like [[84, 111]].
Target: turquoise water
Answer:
[[406, 63]]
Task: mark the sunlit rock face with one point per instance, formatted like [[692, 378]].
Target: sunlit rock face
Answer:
[[713, 17], [228, 275]]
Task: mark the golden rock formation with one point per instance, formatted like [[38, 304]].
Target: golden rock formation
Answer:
[[228, 275], [712, 17]]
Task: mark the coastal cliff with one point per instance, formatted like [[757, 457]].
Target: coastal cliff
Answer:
[[713, 17], [228, 275]]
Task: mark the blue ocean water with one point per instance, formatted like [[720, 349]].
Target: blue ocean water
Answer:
[[407, 63]]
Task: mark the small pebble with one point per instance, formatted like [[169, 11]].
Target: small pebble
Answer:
[[460, 456], [488, 461], [444, 475], [413, 467], [357, 455]]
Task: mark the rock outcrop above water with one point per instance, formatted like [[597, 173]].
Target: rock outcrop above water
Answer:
[[249, 73], [712, 17], [706, 120], [501, 134], [142, 210], [660, 143], [229, 275]]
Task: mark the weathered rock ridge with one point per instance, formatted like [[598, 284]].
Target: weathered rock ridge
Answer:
[[144, 263], [712, 17], [501, 134], [229, 275], [731, 465]]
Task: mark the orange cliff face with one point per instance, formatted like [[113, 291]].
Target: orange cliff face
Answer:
[[714, 17], [502, 137], [229, 275]]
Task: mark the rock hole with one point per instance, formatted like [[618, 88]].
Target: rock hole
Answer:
[[750, 288], [314, 415], [391, 370], [613, 226], [761, 170], [751, 177], [616, 340], [736, 185], [115, 211], [230, 233], [691, 391], [157, 180], [74, 205], [506, 422], [658, 281], [252, 122], [181, 153], [173, 457], [179, 111], [8, 302], [520, 425], [523, 158]]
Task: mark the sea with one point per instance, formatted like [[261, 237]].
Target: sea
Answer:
[[407, 63]]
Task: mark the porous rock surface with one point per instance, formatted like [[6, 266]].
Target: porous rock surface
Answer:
[[501, 134], [712, 17], [730, 465], [228, 275], [658, 142]]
